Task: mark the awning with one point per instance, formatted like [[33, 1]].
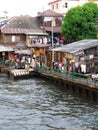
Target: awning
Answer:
[[4, 48], [27, 51], [37, 33]]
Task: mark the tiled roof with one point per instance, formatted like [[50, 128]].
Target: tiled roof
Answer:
[[50, 13], [20, 31], [18, 25]]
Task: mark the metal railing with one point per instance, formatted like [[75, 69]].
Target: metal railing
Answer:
[[72, 76]]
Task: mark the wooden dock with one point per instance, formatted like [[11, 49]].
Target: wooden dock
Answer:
[[18, 73]]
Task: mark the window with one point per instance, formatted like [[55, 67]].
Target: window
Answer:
[[13, 38], [57, 6], [66, 5], [52, 7], [8, 38]]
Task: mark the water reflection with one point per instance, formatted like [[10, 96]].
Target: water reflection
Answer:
[[35, 104]]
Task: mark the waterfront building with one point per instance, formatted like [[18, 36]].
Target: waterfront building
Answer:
[[4, 54], [83, 53], [23, 34], [21, 31]]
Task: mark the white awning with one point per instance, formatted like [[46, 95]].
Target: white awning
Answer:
[[27, 51], [37, 34], [4, 48]]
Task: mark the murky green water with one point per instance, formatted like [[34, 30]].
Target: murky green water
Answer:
[[34, 104]]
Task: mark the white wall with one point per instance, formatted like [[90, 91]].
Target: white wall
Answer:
[[71, 3]]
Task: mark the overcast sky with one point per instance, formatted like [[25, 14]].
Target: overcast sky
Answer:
[[22, 7]]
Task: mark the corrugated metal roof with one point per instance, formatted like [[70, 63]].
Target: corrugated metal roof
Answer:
[[78, 46]]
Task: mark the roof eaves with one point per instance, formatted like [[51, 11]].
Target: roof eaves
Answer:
[[77, 46], [36, 33]]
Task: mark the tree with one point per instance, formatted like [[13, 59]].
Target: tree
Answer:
[[96, 69], [79, 22]]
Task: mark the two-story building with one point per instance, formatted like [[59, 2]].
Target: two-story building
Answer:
[[51, 22], [24, 34], [62, 6]]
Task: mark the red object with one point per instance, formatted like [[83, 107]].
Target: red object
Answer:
[[12, 56], [62, 38], [62, 64]]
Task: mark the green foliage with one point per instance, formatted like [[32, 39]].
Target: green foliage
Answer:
[[79, 22], [96, 69]]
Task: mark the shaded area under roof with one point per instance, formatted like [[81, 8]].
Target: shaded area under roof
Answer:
[[78, 46], [16, 45]]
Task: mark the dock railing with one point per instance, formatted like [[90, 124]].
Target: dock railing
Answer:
[[72, 76]]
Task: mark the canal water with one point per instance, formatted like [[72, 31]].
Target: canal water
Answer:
[[36, 104]]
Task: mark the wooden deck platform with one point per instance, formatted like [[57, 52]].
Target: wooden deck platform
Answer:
[[18, 73]]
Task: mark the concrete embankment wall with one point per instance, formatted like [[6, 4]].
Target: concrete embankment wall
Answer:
[[78, 89]]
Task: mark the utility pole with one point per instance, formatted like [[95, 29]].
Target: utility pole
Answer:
[[52, 25], [5, 12]]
